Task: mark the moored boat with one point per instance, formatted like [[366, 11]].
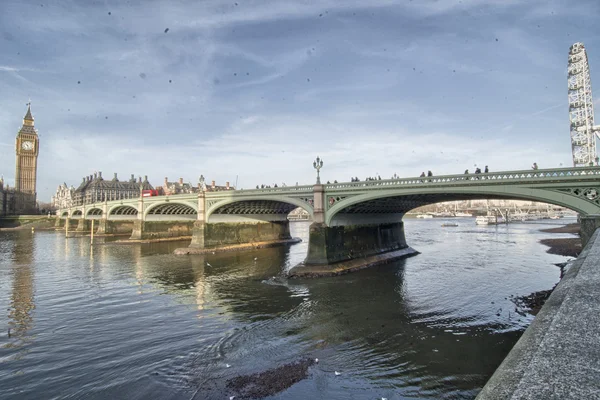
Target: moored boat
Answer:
[[489, 220]]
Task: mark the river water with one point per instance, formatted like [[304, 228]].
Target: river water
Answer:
[[135, 322]]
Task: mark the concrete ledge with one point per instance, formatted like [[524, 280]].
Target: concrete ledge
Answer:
[[344, 267], [558, 356], [236, 247], [155, 240]]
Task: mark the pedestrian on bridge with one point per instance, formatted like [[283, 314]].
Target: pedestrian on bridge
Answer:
[[467, 173], [486, 170], [534, 166]]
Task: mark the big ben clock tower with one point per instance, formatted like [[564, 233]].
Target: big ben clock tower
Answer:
[[27, 148]]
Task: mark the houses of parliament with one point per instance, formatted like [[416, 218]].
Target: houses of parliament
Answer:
[[21, 199]]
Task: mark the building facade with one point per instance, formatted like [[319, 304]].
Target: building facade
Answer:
[[94, 189], [63, 198], [181, 187]]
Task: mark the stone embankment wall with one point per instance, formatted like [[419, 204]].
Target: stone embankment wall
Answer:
[[220, 234], [167, 229], [558, 355]]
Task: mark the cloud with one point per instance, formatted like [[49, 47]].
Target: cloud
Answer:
[[259, 89]]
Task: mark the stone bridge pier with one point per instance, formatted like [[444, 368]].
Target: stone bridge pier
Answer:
[[348, 241], [351, 236]]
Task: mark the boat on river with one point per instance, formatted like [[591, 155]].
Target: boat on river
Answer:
[[449, 224], [489, 220], [424, 216], [462, 214]]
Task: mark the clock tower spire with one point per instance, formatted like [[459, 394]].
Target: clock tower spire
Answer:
[[27, 149]]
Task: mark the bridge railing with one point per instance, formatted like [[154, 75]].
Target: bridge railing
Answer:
[[278, 190], [476, 179]]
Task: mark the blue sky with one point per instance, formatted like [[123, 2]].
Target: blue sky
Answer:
[[258, 89]]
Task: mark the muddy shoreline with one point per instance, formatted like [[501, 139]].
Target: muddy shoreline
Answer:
[[568, 247], [270, 382]]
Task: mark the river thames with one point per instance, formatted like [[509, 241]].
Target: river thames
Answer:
[[135, 322]]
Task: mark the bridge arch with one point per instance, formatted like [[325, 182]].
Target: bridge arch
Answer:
[[65, 214], [254, 208], [77, 214], [121, 211], [171, 211], [398, 202], [94, 213]]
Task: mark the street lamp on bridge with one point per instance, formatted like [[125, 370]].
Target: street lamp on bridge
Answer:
[[318, 164]]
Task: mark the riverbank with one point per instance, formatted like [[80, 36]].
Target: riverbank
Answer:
[[27, 222], [568, 247]]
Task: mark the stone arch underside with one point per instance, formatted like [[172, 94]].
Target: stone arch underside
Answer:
[[122, 213], [391, 208], [251, 210], [94, 213], [65, 214], [171, 212], [77, 214]]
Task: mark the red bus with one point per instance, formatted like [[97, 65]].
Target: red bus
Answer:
[[150, 193]]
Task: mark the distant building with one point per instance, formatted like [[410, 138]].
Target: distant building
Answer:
[[178, 187], [63, 197], [216, 188], [95, 189], [181, 187]]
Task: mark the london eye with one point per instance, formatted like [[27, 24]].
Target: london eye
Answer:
[[581, 108]]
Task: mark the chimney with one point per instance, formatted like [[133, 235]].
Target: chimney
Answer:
[[181, 181], [213, 184], [227, 185], [100, 174], [83, 180], [95, 175], [166, 181], [132, 178], [115, 178], [145, 178], [139, 179]]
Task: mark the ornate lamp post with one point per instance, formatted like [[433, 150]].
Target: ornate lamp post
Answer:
[[318, 164], [597, 159], [202, 183]]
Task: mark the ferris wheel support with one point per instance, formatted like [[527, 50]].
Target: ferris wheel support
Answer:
[[581, 108]]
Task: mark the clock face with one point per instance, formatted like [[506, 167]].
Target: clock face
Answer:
[[26, 145]]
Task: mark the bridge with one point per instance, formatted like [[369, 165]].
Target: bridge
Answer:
[[351, 220]]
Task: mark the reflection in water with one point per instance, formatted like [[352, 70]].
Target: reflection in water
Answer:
[[22, 297], [200, 285], [117, 321]]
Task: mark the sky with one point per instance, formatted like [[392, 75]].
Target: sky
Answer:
[[253, 91]]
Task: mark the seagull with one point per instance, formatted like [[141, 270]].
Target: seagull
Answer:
[[316, 360], [213, 252], [208, 265], [255, 258], [337, 373], [231, 397], [227, 366]]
